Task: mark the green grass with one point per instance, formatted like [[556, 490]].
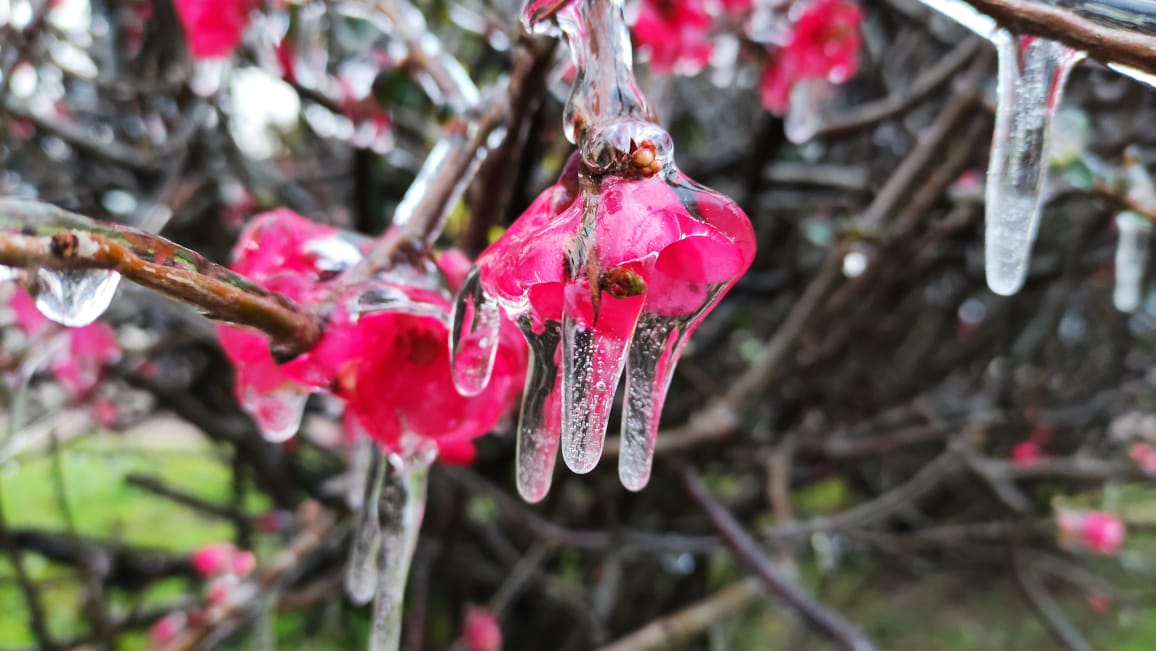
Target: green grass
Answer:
[[103, 505]]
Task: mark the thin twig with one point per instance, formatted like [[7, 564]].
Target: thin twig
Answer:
[[681, 625], [832, 624]]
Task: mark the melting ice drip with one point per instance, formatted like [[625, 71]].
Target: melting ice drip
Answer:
[[1032, 74], [576, 362]]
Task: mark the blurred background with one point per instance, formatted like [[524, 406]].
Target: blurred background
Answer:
[[919, 453]]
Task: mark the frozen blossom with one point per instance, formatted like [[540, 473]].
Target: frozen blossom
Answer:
[[608, 271], [213, 28]]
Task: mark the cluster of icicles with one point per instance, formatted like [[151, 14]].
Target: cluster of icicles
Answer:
[[1031, 78]]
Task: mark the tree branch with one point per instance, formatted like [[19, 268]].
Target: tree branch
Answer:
[[39, 235], [1107, 44]]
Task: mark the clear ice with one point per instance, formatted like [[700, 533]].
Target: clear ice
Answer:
[[1131, 260], [577, 361], [1032, 74], [399, 533], [361, 567], [476, 324], [74, 297], [278, 413]]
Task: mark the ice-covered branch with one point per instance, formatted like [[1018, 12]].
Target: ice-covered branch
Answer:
[[1102, 42], [41, 236]]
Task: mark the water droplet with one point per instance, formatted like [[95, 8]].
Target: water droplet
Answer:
[[1131, 260], [1032, 74], [477, 320], [539, 424], [74, 297], [278, 413]]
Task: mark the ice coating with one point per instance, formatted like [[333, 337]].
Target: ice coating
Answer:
[[1131, 260], [623, 236], [361, 566], [476, 324], [277, 412], [1032, 74], [399, 532], [74, 297]]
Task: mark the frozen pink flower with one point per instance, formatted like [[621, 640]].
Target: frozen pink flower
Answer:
[[213, 28], [1026, 454], [165, 629], [824, 44], [674, 35], [79, 363], [383, 350], [214, 558], [480, 630], [629, 265], [1097, 531]]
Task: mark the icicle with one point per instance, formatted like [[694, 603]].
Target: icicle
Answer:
[[477, 321], [409, 475], [1131, 260], [653, 352], [361, 567], [1032, 73], [592, 364], [209, 76], [73, 297], [539, 425], [805, 112], [278, 413]]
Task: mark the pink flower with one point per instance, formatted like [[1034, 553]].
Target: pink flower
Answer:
[[674, 35], [213, 559], [165, 629], [383, 350], [244, 561], [1144, 454], [1026, 454], [79, 364], [1097, 531], [480, 630], [824, 44], [629, 265], [213, 27]]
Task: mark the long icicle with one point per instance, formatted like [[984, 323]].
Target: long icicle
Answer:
[[409, 475]]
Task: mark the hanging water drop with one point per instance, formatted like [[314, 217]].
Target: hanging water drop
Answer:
[[278, 413], [408, 478], [361, 567], [1032, 74], [1131, 260], [477, 321], [539, 424], [73, 297]]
